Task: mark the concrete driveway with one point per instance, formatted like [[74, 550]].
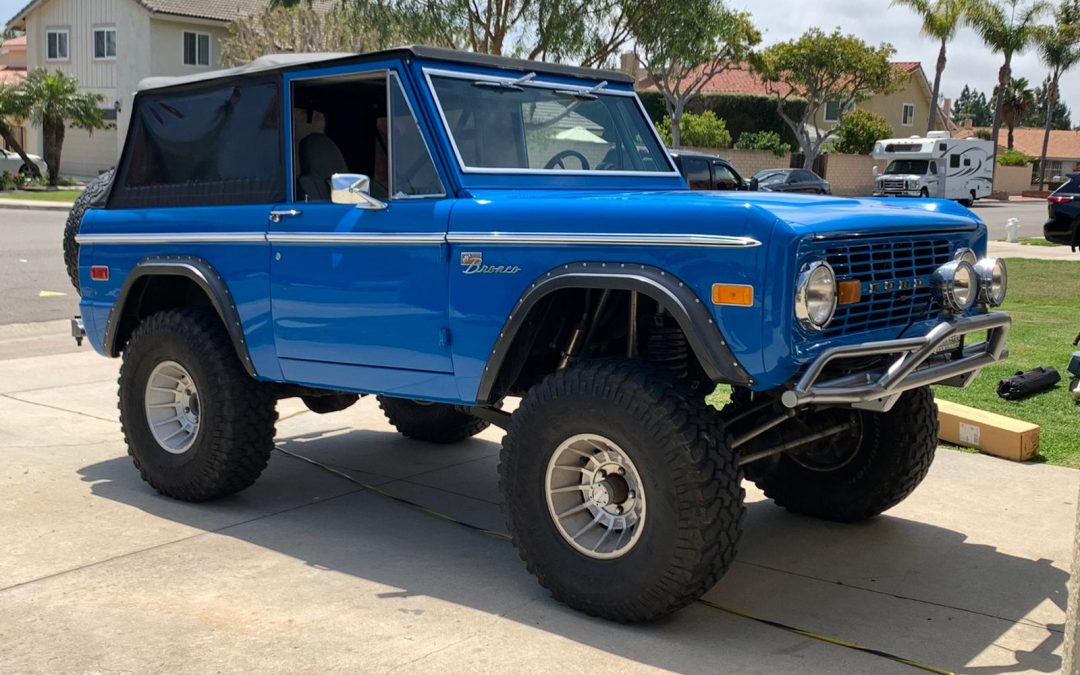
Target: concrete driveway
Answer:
[[310, 572]]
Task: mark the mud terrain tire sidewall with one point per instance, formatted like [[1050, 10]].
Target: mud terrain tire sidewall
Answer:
[[430, 422], [93, 193]]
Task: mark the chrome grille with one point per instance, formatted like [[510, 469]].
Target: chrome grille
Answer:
[[895, 278], [893, 185]]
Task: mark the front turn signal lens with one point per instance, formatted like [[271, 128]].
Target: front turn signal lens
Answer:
[[849, 292], [733, 294]]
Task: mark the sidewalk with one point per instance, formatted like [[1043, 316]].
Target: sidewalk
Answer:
[[1003, 249], [33, 204], [308, 572]]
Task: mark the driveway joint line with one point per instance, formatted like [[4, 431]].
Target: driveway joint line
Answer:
[[53, 407]]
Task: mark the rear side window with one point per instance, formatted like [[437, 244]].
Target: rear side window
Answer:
[[697, 173], [209, 146], [1072, 187]]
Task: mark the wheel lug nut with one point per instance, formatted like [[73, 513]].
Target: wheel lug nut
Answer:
[[630, 495], [619, 510], [621, 471], [601, 474]]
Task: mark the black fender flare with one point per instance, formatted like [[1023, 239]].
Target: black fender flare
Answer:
[[693, 316], [203, 274]]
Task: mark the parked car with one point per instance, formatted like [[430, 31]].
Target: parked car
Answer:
[[444, 230], [10, 162], [707, 172], [1063, 227], [790, 180]]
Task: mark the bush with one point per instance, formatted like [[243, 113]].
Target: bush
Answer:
[[763, 140], [860, 130], [1014, 158], [984, 134], [740, 112], [698, 131], [12, 181]]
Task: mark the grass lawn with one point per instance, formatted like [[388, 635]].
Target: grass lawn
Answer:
[[1037, 241], [1044, 301], [57, 196]]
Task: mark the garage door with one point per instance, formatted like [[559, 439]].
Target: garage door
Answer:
[[88, 154]]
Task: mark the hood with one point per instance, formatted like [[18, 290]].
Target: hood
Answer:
[[900, 176], [726, 213]]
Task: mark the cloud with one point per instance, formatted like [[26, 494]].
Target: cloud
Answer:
[[969, 61]]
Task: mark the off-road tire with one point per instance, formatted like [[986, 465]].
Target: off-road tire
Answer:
[[89, 199], [692, 486], [430, 422], [236, 426], [893, 457], [924, 194]]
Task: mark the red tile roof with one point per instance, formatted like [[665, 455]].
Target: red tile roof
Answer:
[[14, 42], [1063, 144], [742, 80], [12, 75]]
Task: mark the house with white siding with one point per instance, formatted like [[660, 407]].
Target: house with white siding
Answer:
[[109, 46]]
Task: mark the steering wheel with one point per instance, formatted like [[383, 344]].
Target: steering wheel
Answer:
[[557, 160]]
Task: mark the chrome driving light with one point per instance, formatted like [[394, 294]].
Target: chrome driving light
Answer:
[[815, 295], [956, 286], [967, 255], [993, 281]]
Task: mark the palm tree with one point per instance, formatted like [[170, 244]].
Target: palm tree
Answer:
[[1059, 50], [1017, 102], [1008, 27], [940, 19], [53, 102], [12, 114]]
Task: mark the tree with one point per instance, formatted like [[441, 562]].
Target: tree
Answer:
[[295, 27], [823, 68], [763, 140], [699, 131], [1061, 119], [1008, 27], [971, 104], [940, 20], [12, 114], [1059, 50], [688, 44], [1018, 100], [53, 102], [860, 131]]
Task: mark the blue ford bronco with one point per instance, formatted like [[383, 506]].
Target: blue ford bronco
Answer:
[[447, 231]]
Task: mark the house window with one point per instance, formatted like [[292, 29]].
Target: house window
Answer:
[[56, 45], [104, 43], [907, 119], [832, 111], [196, 49]]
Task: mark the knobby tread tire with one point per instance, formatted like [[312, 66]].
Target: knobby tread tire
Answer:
[[432, 422], [237, 416], [94, 191], [683, 552], [894, 457]]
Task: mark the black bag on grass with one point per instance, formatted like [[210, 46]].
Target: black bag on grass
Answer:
[[1022, 385]]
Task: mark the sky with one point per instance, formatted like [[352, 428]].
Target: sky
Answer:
[[874, 21]]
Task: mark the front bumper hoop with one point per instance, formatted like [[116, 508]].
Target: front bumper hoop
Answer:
[[919, 362]]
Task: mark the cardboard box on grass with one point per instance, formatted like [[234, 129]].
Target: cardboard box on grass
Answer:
[[989, 432]]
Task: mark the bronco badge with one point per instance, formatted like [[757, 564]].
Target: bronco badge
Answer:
[[473, 263]]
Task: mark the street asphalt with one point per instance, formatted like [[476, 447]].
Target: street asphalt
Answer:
[[36, 288]]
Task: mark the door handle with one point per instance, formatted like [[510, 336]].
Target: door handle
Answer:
[[276, 216]]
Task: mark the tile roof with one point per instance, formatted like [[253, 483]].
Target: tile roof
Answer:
[[1028, 140], [216, 10], [12, 75], [742, 80], [14, 42]]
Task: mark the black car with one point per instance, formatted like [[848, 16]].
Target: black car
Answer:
[[708, 172], [790, 180], [1064, 224]]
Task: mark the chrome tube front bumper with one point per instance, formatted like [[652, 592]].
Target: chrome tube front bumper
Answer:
[[919, 362]]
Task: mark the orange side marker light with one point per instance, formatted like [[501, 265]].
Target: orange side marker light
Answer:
[[850, 292], [733, 294]]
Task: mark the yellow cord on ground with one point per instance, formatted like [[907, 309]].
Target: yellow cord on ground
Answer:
[[708, 603]]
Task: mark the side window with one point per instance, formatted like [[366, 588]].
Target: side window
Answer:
[[954, 161], [216, 144], [412, 171], [723, 175], [805, 177], [697, 173], [933, 168]]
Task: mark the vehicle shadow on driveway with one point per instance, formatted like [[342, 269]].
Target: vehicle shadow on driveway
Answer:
[[915, 589]]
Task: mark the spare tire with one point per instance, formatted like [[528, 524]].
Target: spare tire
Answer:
[[93, 197]]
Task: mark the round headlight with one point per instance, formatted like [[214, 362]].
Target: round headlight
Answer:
[[956, 286], [993, 281], [815, 295], [967, 255]]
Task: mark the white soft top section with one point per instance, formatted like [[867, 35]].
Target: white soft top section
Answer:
[[263, 63]]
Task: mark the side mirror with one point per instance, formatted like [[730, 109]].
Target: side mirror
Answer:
[[354, 188], [752, 185], [877, 171]]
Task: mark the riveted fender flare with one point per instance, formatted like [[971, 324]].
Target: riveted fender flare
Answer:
[[205, 277], [705, 337]]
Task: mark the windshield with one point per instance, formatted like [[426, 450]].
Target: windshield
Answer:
[[916, 167], [520, 126], [770, 177]]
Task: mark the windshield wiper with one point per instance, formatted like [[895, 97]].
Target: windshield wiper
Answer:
[[582, 94], [501, 85]]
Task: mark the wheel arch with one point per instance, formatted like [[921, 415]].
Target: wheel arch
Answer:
[[706, 339], [166, 282]]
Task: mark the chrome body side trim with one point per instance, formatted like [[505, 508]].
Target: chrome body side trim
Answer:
[[173, 238], [600, 239], [918, 362], [355, 238]]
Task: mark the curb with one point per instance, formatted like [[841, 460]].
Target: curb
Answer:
[[20, 205]]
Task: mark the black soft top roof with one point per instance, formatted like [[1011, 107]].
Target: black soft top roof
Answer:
[[289, 62]]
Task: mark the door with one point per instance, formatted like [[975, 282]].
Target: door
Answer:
[[349, 284]]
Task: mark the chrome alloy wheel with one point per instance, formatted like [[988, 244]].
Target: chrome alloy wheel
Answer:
[[595, 496], [172, 407]]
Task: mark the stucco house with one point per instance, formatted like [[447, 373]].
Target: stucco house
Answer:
[[109, 46], [1062, 154]]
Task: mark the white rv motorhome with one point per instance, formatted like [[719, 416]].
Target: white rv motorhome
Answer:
[[936, 166]]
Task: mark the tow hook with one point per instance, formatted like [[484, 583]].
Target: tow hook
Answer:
[[78, 330]]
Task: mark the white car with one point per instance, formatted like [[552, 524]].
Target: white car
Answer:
[[10, 162]]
